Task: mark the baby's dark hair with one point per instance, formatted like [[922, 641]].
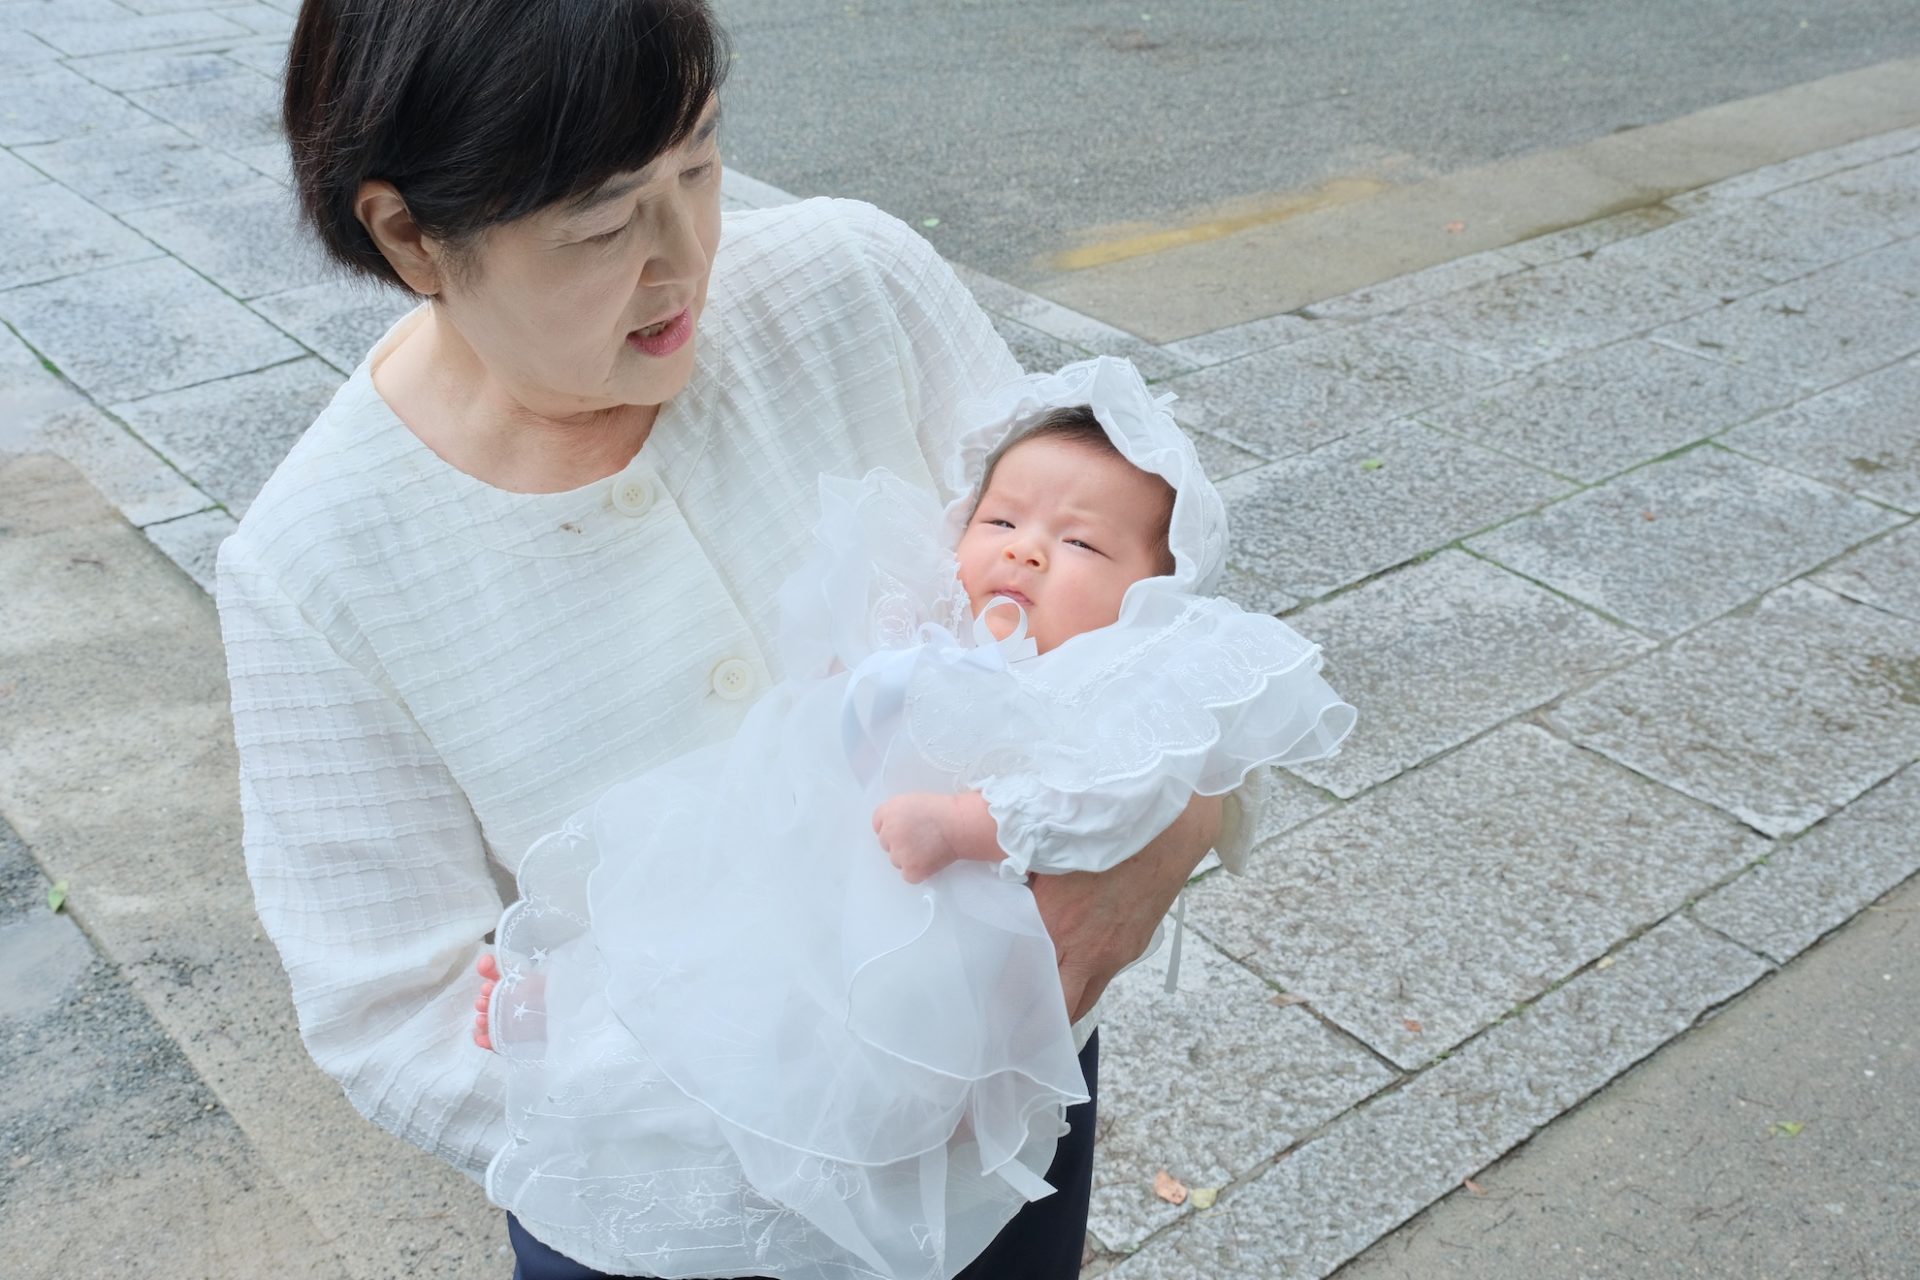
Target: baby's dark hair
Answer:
[[1075, 424]]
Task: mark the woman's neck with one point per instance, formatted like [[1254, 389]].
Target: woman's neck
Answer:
[[431, 381]]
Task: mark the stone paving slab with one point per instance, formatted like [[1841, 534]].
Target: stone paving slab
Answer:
[[131, 331], [1886, 192], [146, 31], [1680, 1168], [130, 169], [18, 175], [1287, 400], [1823, 879], [1736, 250], [1673, 544], [230, 112], [1378, 1166], [149, 843], [1353, 508], [1221, 458], [1431, 906], [50, 232], [247, 241], [154, 68], [1595, 414], [1440, 651], [1862, 436], [338, 320], [1239, 340], [1209, 1082], [51, 103], [1884, 573], [1779, 715], [1082, 333], [1769, 179], [1819, 331], [1033, 350], [135, 479], [29, 391], [193, 543], [1420, 286], [231, 434], [1532, 317], [1577, 241]]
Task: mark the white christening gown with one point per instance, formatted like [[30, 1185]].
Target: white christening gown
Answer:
[[740, 1043]]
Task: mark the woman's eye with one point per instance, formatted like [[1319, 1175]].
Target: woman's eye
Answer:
[[698, 172], [605, 236]]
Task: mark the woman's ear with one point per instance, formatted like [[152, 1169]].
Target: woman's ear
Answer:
[[414, 256]]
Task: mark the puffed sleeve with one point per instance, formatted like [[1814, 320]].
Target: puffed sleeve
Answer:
[[368, 871], [1098, 746], [948, 349]]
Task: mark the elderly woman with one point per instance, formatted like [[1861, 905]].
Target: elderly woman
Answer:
[[533, 544]]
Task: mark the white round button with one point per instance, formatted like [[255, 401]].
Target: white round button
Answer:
[[631, 497], [733, 679]]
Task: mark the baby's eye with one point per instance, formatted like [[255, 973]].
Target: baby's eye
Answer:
[[1077, 542], [998, 523]]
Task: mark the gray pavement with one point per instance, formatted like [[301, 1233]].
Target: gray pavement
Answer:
[[1774, 1141], [1610, 533], [1030, 130]]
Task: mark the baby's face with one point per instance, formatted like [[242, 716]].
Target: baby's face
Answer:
[[1064, 529]]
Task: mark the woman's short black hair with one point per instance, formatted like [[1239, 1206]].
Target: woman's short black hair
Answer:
[[482, 111]]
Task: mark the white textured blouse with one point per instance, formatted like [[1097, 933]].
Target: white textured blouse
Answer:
[[429, 673]]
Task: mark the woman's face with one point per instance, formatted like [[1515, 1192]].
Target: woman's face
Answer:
[[592, 304]]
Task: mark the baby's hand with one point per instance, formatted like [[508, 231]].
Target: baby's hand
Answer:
[[489, 971], [918, 833]]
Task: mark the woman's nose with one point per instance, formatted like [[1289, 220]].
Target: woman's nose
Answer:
[[677, 251]]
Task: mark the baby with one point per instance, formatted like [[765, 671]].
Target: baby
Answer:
[[738, 1040], [1063, 526]]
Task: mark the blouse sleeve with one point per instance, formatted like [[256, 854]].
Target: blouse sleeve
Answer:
[[369, 874], [948, 349]]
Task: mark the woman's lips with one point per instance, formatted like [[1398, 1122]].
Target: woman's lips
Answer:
[[667, 340]]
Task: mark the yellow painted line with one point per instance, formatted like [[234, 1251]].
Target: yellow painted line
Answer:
[[1278, 209]]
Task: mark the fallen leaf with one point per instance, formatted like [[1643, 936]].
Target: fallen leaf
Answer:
[[1372, 464], [1647, 515], [929, 222], [1203, 1197], [1412, 1026], [1604, 962], [1288, 997], [57, 896], [1169, 1188], [1455, 228], [1789, 1128], [1473, 1186]]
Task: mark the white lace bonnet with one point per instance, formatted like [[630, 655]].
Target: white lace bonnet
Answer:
[[1140, 427]]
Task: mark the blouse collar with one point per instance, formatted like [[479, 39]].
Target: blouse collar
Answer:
[[543, 525]]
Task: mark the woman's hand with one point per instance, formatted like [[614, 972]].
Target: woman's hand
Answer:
[[489, 970], [1101, 921]]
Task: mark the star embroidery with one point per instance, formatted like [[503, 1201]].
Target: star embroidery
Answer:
[[539, 954], [520, 1011]]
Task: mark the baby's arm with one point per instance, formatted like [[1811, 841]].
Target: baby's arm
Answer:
[[923, 832]]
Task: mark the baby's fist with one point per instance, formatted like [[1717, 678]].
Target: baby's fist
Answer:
[[916, 831]]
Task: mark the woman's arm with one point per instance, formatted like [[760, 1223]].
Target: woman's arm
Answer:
[[368, 872], [1102, 921]]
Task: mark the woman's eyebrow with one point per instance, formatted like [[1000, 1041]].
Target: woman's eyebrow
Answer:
[[616, 187]]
